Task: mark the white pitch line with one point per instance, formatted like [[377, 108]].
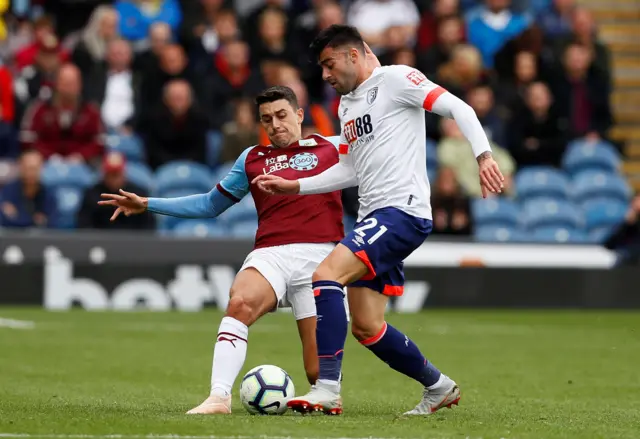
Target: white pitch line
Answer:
[[16, 324]]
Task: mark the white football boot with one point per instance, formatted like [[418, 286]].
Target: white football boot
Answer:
[[213, 405], [321, 398], [446, 394]]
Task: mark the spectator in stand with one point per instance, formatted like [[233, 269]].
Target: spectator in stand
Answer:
[[37, 81], [71, 15], [222, 28], [175, 130], [463, 72], [273, 43], [137, 16], [538, 135], [173, 65], [431, 21], [556, 20], [450, 34], [19, 35], [93, 216], [385, 25], [451, 208], [511, 92], [65, 126], [532, 41], [481, 99], [585, 34], [240, 133], [8, 146], [404, 56], [43, 33], [492, 26], [454, 152], [251, 23], [26, 202], [582, 95], [625, 239], [92, 49], [327, 13], [147, 62], [113, 88], [233, 78], [198, 19]]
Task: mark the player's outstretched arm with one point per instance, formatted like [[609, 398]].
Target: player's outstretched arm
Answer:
[[206, 205], [337, 177], [448, 105]]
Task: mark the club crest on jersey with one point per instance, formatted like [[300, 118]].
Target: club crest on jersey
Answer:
[[305, 161], [372, 95]]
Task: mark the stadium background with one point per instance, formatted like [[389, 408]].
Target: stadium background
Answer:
[[525, 373], [169, 85]]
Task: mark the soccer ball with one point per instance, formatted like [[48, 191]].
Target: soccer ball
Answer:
[[265, 390]]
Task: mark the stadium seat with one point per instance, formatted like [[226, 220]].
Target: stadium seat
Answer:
[[200, 229], [599, 184], [243, 211], [559, 235], [57, 173], [498, 234], [183, 175], [245, 229], [603, 212], [69, 199], [214, 147], [141, 175], [551, 213], [541, 181], [600, 234], [130, 146], [498, 212], [583, 156]]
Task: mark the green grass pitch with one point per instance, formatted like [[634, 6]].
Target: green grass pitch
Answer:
[[523, 374]]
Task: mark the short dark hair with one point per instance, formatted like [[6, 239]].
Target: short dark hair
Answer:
[[276, 93], [334, 36]]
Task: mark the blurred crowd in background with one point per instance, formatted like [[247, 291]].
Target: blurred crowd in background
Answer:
[[95, 95]]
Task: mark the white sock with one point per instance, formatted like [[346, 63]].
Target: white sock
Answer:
[[438, 383], [229, 354]]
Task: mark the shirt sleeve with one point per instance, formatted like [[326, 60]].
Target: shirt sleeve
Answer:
[[411, 88], [233, 187]]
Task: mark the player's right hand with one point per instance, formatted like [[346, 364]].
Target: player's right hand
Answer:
[[125, 202], [274, 185]]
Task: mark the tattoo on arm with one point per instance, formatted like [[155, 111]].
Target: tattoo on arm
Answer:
[[484, 156]]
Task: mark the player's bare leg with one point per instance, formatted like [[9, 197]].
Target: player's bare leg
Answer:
[[332, 331], [396, 349], [251, 297], [307, 331]]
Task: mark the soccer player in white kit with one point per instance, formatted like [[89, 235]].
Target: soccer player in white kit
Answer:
[[382, 150]]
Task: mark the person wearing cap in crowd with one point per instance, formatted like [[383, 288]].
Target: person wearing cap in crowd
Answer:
[[92, 216]]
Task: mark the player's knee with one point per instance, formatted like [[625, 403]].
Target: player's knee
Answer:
[[364, 331], [240, 310], [323, 272]]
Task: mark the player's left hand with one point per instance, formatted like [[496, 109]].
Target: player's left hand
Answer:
[[274, 185], [491, 179]]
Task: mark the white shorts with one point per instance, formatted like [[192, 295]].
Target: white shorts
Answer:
[[288, 268]]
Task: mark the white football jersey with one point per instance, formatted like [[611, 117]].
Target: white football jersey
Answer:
[[384, 139]]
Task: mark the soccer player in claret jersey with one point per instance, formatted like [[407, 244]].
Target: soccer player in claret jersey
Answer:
[[382, 150], [294, 235]]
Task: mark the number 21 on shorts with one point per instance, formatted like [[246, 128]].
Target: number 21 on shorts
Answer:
[[370, 224]]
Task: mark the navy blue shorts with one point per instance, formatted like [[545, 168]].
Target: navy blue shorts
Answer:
[[383, 240]]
